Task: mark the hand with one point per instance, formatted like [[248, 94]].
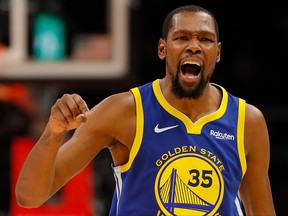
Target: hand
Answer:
[[68, 113]]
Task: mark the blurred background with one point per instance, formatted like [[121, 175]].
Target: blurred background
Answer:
[[97, 48]]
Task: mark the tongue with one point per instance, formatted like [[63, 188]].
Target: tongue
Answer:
[[189, 70]]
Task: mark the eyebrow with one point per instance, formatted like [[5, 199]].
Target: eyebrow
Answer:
[[202, 32]]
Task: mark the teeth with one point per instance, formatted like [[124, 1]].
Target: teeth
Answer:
[[192, 62]]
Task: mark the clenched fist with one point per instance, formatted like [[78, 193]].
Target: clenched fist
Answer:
[[68, 113]]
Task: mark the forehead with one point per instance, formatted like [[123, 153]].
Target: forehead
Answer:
[[193, 21]]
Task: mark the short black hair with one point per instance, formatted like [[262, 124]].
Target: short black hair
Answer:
[[167, 25]]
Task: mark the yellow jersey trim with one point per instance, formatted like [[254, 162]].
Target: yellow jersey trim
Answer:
[[191, 128], [139, 129], [240, 135]]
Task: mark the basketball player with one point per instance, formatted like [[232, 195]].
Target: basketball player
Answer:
[[180, 145]]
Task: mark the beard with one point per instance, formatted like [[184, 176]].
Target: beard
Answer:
[[191, 93]]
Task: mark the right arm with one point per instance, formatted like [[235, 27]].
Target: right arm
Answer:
[[39, 168], [52, 163]]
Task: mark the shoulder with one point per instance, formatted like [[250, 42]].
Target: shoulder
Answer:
[[254, 115], [123, 99], [256, 132], [115, 106], [115, 117]]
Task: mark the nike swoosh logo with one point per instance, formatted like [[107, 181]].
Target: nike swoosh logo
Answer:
[[160, 130]]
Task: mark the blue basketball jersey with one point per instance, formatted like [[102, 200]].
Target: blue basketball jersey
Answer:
[[180, 167]]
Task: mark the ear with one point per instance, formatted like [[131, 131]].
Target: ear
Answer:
[[162, 49], [218, 53]]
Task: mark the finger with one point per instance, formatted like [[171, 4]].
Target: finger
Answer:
[[81, 104], [67, 108], [71, 105], [56, 113]]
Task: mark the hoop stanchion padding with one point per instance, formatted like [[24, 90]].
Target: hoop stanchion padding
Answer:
[[74, 199]]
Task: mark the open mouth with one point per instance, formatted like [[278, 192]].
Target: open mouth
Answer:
[[191, 69]]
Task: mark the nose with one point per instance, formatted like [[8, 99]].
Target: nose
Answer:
[[193, 46]]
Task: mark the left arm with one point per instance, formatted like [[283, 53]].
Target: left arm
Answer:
[[255, 189]]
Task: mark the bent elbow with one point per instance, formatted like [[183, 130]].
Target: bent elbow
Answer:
[[27, 204], [24, 203], [27, 201]]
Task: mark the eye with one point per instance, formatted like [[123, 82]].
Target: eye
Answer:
[[184, 38], [205, 39]]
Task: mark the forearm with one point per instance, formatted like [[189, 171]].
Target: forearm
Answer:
[[35, 182]]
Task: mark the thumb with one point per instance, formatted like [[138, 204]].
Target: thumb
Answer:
[[82, 117]]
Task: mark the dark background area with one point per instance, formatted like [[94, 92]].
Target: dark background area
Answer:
[[254, 53]]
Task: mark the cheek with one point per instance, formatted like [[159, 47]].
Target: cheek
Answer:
[[172, 55], [209, 70], [172, 62], [211, 59]]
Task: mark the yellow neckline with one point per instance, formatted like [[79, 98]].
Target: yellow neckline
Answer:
[[192, 128]]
